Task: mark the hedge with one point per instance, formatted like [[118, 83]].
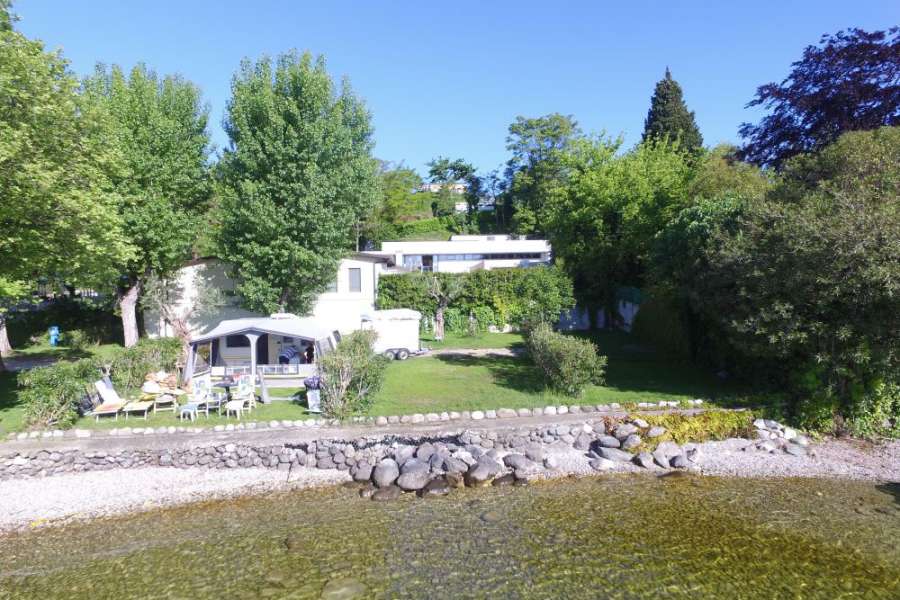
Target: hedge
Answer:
[[499, 297], [50, 395]]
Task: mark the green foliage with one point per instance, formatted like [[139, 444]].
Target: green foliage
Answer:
[[877, 413], [535, 172], [50, 394], [669, 117], [603, 226], [659, 324], [517, 297], [568, 364], [702, 427], [96, 321], [719, 172], [350, 375], [298, 178], [57, 205]]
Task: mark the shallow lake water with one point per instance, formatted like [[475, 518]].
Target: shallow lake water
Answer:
[[612, 537]]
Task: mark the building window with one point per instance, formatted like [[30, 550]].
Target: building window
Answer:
[[237, 341], [355, 280]]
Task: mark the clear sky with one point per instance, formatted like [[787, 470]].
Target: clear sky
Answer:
[[447, 78]]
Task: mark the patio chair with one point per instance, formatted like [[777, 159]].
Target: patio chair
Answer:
[[236, 407], [245, 392], [112, 399]]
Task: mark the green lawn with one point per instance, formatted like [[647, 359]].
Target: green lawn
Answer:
[[482, 340], [450, 382]]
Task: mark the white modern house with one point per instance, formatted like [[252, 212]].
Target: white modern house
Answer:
[[463, 253]]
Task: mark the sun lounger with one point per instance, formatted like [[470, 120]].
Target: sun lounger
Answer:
[[137, 406], [111, 404]]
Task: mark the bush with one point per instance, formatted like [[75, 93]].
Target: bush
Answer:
[[50, 394], [79, 339], [350, 375], [877, 413], [518, 297], [568, 364]]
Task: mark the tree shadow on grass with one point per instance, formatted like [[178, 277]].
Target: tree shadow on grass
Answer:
[[513, 372]]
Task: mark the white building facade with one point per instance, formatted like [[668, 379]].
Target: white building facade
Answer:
[[464, 253]]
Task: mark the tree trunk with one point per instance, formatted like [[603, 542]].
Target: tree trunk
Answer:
[[5, 346], [128, 306], [2, 366], [439, 323]]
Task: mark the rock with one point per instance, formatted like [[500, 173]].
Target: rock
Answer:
[[439, 486], [669, 448], [641, 423], [660, 458], [503, 480], [424, 451], [614, 454], [789, 433], [632, 441], [795, 450], [477, 415], [551, 462], [679, 461], [455, 480], [602, 464], [534, 453], [491, 516], [412, 481], [801, 440], [759, 424], [367, 490], [624, 430], [381, 421], [482, 472], [608, 441], [362, 471], [655, 432], [343, 589], [517, 461], [766, 446], [644, 459], [386, 473], [505, 413], [414, 465], [455, 465], [524, 412], [550, 410], [582, 442], [490, 414], [391, 492]]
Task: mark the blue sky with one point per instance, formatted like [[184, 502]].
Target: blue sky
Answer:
[[448, 78]]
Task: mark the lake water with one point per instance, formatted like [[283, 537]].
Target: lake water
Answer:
[[615, 537]]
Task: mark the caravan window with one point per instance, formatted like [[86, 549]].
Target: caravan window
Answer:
[[237, 341]]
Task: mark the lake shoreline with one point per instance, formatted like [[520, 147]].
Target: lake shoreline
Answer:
[[41, 502]]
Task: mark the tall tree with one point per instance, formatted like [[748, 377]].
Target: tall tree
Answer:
[[850, 82], [57, 208], [669, 117], [534, 171], [298, 176], [160, 129], [611, 207]]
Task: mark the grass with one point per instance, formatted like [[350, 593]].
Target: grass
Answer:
[[451, 382], [482, 340], [11, 411]]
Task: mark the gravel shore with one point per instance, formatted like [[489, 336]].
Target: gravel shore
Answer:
[[55, 500]]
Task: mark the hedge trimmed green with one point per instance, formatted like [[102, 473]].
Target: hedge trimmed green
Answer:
[[517, 297]]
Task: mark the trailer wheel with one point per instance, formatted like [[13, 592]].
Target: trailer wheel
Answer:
[[388, 354], [402, 354]]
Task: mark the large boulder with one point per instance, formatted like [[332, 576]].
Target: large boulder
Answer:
[[608, 441], [516, 461], [386, 473], [624, 430], [482, 472], [362, 471], [414, 465], [412, 481], [632, 441], [614, 454], [644, 459]]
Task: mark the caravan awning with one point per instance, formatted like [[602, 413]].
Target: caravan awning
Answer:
[[306, 328]]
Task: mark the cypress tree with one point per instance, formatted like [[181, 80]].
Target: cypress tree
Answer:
[[669, 116]]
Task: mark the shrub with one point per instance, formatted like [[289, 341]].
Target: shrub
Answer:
[[702, 427], [877, 413], [79, 339], [50, 395], [568, 364], [350, 375]]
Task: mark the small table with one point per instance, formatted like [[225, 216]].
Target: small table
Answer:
[[227, 384]]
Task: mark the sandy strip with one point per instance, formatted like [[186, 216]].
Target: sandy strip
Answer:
[[55, 500]]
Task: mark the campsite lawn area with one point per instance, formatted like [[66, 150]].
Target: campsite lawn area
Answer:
[[482, 340], [453, 382]]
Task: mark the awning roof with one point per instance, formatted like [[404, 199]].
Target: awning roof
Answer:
[[307, 328]]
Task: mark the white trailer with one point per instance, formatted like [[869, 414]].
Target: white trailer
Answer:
[[397, 329]]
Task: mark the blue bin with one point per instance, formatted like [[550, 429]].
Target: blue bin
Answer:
[[54, 335]]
